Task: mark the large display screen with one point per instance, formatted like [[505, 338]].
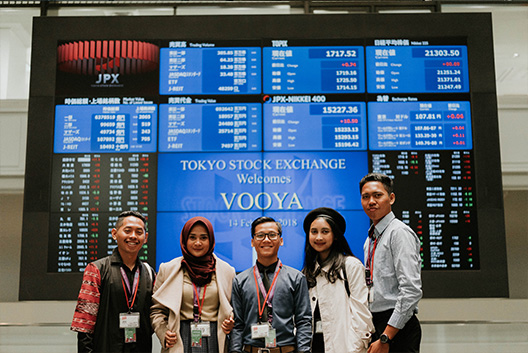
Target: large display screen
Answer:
[[233, 118]]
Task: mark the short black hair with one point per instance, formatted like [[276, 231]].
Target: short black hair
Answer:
[[126, 214], [387, 182], [264, 219]]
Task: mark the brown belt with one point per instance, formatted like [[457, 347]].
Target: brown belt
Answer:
[[283, 349]]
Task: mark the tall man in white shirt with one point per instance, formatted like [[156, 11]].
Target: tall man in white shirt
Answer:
[[393, 265]]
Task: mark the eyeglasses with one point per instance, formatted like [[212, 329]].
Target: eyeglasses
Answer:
[[270, 235]]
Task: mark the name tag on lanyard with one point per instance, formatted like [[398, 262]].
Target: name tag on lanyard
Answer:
[[198, 331], [261, 330], [199, 328], [129, 321], [204, 327]]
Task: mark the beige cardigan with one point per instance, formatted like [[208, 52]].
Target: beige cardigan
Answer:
[[167, 299]]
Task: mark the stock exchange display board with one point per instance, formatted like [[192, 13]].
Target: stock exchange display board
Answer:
[[274, 123]]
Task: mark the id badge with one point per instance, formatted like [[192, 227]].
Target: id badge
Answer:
[[318, 327], [271, 338], [204, 327], [129, 320], [130, 334], [196, 336], [259, 331]]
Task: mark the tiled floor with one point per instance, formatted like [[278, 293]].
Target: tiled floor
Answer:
[[476, 337]]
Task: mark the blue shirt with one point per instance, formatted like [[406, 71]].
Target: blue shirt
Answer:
[[396, 271], [291, 310]]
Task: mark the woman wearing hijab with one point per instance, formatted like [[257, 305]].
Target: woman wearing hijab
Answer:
[[191, 309], [336, 280]]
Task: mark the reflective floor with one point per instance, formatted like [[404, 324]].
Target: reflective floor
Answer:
[[475, 337]]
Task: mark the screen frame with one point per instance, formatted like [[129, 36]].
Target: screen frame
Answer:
[[490, 281]]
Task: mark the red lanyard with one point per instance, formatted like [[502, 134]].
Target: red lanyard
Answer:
[[370, 260], [263, 290], [135, 284], [197, 301]]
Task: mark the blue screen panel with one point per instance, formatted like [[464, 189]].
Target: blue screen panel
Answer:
[[210, 70], [420, 126], [424, 69], [313, 70], [259, 182], [210, 127], [315, 126], [105, 128]]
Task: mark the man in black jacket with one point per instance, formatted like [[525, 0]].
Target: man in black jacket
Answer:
[[113, 307]]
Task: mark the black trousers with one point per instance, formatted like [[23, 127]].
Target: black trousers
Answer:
[[408, 338]]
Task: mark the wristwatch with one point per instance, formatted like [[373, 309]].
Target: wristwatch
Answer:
[[385, 339]]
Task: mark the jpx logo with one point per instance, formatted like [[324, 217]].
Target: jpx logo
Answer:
[[107, 78], [279, 43]]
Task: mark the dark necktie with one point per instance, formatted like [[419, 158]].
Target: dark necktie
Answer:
[[265, 281], [265, 278], [371, 232]]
